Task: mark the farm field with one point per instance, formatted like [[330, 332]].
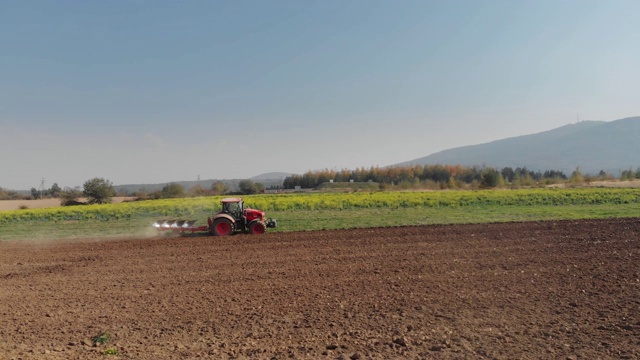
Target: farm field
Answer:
[[322, 211], [528, 290]]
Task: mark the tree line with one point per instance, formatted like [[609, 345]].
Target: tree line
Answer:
[[102, 191], [442, 176]]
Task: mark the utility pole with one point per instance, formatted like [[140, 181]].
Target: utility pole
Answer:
[[41, 189]]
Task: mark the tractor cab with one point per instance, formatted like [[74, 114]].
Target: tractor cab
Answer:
[[233, 207]]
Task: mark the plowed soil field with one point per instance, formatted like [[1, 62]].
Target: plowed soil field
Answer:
[[556, 290]]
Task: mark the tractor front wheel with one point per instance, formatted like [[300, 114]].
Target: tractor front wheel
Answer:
[[257, 228], [222, 227]]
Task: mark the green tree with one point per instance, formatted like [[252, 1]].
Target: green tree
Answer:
[[70, 196], [576, 176], [250, 187], [3, 194], [198, 190], [55, 190], [99, 191], [491, 178], [172, 190], [628, 175], [508, 174], [219, 188]]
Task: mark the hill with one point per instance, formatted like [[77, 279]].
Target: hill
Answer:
[[590, 145], [271, 176]]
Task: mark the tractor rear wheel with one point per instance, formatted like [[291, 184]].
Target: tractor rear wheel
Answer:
[[222, 227], [257, 228]]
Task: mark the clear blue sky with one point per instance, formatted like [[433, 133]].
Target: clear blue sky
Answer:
[[158, 91]]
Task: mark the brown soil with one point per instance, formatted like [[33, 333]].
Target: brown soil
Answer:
[[567, 290]]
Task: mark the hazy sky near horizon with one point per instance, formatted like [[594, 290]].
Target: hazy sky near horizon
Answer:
[[158, 91]]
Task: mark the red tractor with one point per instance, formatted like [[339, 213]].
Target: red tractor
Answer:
[[233, 218]]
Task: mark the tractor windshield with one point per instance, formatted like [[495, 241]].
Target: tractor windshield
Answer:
[[234, 208]]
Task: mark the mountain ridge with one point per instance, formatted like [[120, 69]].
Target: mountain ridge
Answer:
[[591, 146]]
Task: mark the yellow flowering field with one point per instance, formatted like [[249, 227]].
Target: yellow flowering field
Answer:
[[331, 201]]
